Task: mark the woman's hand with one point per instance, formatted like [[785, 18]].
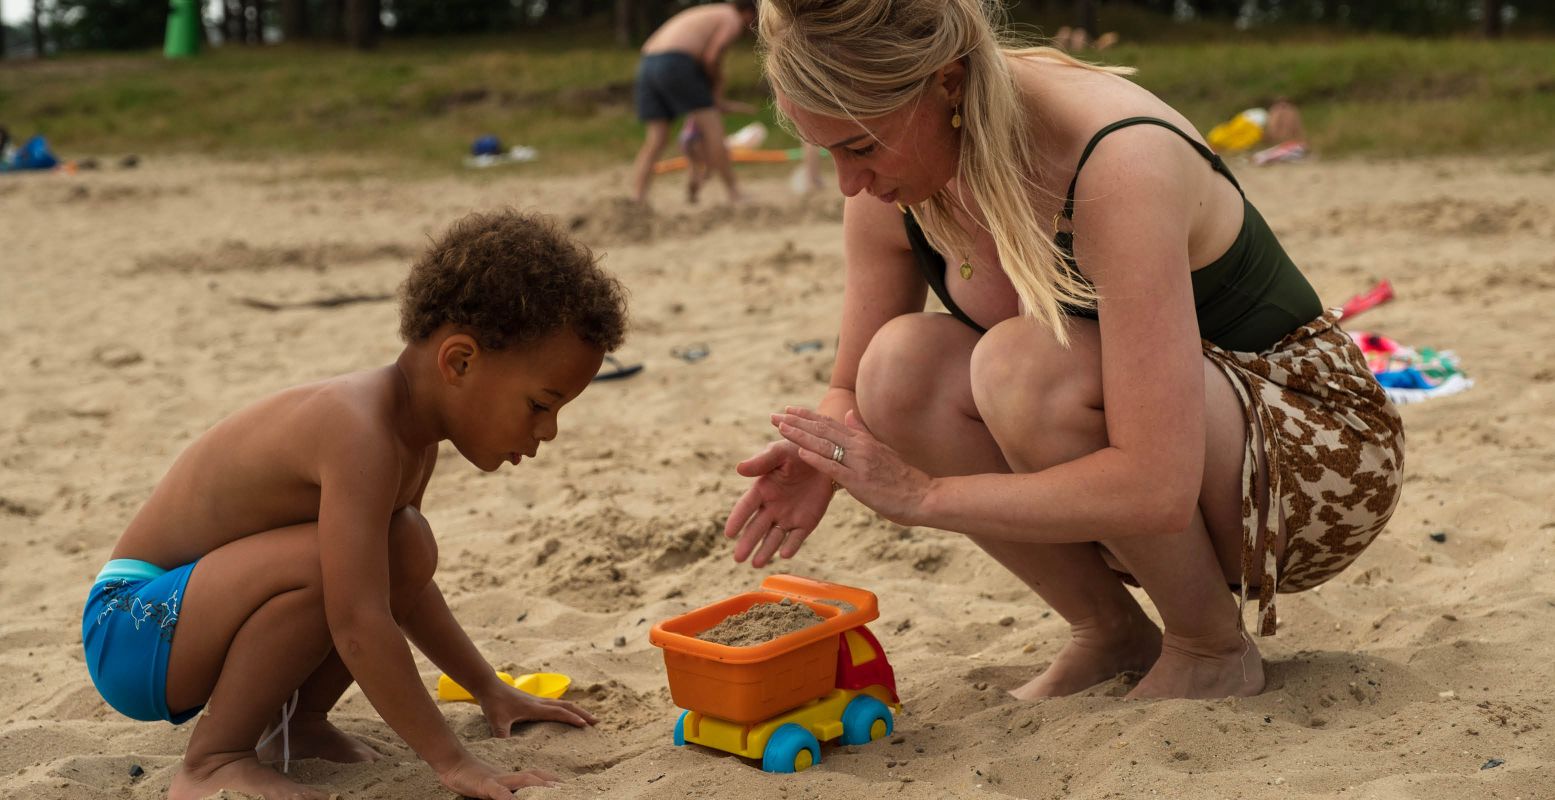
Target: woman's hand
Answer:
[[781, 508], [505, 706], [849, 454], [472, 777]]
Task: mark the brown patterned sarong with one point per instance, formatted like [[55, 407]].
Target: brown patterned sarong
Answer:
[[1332, 446]]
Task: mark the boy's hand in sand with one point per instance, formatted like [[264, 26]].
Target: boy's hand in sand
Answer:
[[781, 508], [505, 707], [849, 454], [472, 777]]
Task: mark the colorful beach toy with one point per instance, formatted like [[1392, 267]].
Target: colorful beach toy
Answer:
[[778, 700], [540, 684]]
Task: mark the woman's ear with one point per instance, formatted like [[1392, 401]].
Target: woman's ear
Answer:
[[952, 79], [455, 356]]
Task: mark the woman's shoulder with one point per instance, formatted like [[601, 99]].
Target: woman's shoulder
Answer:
[[1070, 105], [869, 222]]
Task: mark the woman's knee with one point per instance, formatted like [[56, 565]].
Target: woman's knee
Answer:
[[1023, 379], [908, 358], [412, 552]]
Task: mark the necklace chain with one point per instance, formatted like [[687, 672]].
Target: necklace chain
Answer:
[[966, 261]]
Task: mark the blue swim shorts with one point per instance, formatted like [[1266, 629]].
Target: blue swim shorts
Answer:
[[669, 86], [127, 628]]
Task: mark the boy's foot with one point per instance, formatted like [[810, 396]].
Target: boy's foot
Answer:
[[317, 737], [245, 775], [1090, 658], [1230, 667]]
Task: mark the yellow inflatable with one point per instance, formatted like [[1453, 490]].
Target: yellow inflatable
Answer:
[[1241, 132]]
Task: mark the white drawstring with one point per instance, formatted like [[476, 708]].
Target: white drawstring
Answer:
[[287, 709]]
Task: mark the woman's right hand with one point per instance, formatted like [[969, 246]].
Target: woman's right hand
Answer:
[[472, 777], [781, 508]]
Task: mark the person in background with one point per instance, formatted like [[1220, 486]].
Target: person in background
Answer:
[[681, 75]]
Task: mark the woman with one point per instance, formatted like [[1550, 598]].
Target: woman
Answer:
[[1134, 382]]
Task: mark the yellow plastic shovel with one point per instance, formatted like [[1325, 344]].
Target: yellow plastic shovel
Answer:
[[539, 684]]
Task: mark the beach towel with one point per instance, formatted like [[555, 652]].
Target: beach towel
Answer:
[[1410, 375]]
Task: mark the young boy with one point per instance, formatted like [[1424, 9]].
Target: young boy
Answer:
[[681, 75], [287, 544]]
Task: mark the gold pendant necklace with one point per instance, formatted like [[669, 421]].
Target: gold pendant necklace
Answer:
[[966, 269]]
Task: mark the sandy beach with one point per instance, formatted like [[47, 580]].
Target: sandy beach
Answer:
[[137, 307]]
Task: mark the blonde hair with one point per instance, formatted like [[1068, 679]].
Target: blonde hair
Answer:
[[858, 59]]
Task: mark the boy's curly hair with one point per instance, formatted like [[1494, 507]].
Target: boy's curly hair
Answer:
[[508, 278]]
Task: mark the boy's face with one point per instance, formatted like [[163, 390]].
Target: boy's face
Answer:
[[505, 402]]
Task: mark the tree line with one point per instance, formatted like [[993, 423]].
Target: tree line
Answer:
[[57, 25]]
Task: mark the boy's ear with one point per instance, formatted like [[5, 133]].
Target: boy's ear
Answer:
[[455, 356]]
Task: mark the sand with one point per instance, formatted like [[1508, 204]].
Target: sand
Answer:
[[132, 317], [761, 623]]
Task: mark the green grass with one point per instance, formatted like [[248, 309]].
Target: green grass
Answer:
[[420, 103], [1372, 95]]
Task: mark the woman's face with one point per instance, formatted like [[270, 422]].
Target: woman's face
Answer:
[[902, 157]]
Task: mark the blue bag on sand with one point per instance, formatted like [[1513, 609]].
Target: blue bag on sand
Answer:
[[33, 154], [486, 146]]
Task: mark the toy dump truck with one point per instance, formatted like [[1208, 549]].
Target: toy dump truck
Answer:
[[778, 700]]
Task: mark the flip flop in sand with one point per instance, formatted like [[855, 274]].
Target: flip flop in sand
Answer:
[[617, 370], [692, 353]]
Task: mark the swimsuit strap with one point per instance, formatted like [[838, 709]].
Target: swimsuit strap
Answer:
[[932, 265], [1214, 160]]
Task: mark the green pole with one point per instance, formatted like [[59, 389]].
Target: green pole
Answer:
[[183, 29]]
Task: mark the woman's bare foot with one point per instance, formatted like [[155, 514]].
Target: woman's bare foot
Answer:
[[1092, 656], [314, 736], [1204, 669], [243, 774]]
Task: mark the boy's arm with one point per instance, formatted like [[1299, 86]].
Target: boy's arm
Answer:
[[717, 51], [715, 77], [356, 503], [435, 631], [437, 634]]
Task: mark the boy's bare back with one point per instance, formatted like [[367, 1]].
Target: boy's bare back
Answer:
[[702, 31], [259, 468]]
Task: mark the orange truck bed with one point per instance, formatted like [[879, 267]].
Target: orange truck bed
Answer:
[[750, 684]]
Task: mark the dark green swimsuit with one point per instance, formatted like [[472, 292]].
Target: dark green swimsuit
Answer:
[[1248, 299]]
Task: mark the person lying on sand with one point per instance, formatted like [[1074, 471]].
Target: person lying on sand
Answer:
[[1146, 391], [284, 555]]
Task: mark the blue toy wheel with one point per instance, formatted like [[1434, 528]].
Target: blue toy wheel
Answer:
[[791, 749], [680, 729], [865, 720]]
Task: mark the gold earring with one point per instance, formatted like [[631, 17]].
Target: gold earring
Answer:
[[955, 119]]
